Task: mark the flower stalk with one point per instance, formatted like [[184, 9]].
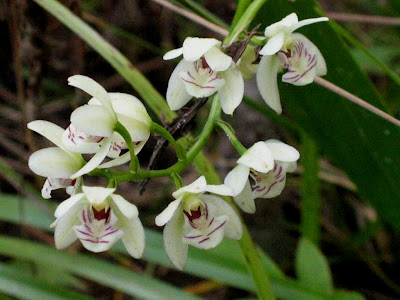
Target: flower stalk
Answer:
[[232, 137], [134, 162]]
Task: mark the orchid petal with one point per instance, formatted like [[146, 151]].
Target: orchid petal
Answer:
[[267, 82], [289, 166], [273, 45], [96, 160], [281, 151], [93, 120], [129, 223], [97, 195], [64, 234], [138, 130], [258, 157], [217, 60], [321, 64], [124, 158], [237, 178], [282, 25], [307, 22], [173, 54], [53, 133], [271, 184], [127, 209], [52, 184], [220, 189], [53, 162], [130, 106], [231, 93], [94, 89], [209, 236], [74, 140], [66, 205], [134, 237], [166, 215], [174, 247], [196, 187], [304, 63], [97, 235], [200, 82], [177, 96], [233, 227], [194, 47], [245, 199]]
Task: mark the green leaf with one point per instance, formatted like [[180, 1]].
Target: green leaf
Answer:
[[108, 274], [365, 146], [48, 274], [15, 283], [312, 268]]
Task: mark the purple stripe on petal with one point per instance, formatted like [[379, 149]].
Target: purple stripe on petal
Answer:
[[203, 240], [220, 226]]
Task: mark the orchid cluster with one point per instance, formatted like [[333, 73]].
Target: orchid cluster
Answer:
[[112, 128]]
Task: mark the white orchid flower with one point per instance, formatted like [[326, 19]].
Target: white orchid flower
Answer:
[[56, 163], [204, 70], [197, 219], [265, 164], [292, 51], [92, 126], [99, 219]]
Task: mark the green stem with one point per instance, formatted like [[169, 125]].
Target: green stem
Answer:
[[311, 202], [244, 21], [177, 180], [158, 129], [255, 267], [227, 128], [134, 163]]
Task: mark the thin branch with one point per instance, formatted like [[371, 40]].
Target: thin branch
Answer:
[[338, 90], [195, 18], [364, 18]]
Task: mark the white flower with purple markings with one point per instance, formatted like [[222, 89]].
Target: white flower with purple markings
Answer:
[[204, 70], [197, 219], [261, 172], [92, 126], [58, 164], [291, 51], [99, 218]]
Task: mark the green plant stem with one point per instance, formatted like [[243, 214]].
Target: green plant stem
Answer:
[[254, 265], [311, 202], [232, 137], [134, 163], [158, 129], [244, 21]]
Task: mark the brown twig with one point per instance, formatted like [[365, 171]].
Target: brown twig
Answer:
[[364, 18], [353, 98]]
